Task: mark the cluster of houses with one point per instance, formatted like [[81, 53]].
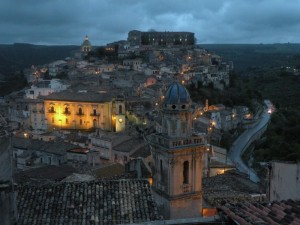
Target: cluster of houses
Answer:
[[120, 114], [98, 109]]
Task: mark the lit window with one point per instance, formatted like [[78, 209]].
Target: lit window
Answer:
[[80, 111]]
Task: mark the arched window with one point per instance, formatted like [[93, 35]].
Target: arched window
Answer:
[[186, 172], [52, 109], [80, 121], [95, 112], [120, 109], [66, 110], [80, 111]]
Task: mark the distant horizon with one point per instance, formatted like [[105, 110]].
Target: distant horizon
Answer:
[[41, 44]]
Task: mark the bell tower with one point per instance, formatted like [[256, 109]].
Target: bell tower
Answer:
[[177, 158]]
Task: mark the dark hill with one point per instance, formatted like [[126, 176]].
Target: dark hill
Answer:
[[247, 56], [19, 56]]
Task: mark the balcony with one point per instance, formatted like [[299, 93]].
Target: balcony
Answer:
[[179, 142], [80, 114], [186, 188], [67, 113], [51, 111]]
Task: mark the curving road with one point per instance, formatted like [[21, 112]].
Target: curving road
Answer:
[[241, 142]]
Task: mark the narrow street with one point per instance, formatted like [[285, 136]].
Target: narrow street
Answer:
[[244, 140]]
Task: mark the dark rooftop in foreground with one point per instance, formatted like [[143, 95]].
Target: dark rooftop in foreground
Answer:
[[101, 202], [283, 213], [45, 173], [230, 187]]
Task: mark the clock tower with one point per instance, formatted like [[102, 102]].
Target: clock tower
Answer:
[[177, 158]]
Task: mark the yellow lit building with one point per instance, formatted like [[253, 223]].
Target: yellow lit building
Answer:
[[84, 110]]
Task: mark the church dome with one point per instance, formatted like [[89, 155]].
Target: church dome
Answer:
[[86, 42], [86, 45], [177, 94]]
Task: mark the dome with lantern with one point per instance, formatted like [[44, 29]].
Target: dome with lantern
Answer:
[[177, 97], [86, 45]]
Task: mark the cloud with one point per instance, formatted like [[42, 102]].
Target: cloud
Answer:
[[212, 21]]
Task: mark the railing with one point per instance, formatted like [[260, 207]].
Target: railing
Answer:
[[186, 188], [95, 114], [174, 143]]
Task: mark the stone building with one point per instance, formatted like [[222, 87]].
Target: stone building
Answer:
[[136, 37], [84, 110], [178, 158]]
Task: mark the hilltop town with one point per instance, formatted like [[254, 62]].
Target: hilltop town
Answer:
[[120, 119]]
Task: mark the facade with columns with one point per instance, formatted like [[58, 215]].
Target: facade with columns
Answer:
[[178, 158], [84, 110]]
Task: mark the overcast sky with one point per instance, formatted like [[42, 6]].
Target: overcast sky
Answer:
[[213, 21]]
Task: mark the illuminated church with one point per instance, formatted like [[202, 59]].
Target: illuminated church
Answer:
[[86, 46], [84, 110], [178, 158]]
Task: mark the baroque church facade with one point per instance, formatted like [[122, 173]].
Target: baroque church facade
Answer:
[[178, 158]]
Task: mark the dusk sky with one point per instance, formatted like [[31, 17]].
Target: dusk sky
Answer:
[[66, 22]]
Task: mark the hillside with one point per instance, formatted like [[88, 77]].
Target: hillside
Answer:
[[19, 56], [248, 56]]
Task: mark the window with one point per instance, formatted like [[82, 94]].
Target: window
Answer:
[[66, 110], [120, 109], [52, 119], [95, 112], [67, 121], [80, 121], [52, 110], [162, 171], [80, 111], [31, 92], [116, 157], [186, 172]]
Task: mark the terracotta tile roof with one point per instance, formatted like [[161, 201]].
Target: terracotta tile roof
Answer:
[[71, 96], [110, 171], [129, 145], [49, 172], [229, 187], [101, 202], [53, 147], [276, 213], [143, 152]]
